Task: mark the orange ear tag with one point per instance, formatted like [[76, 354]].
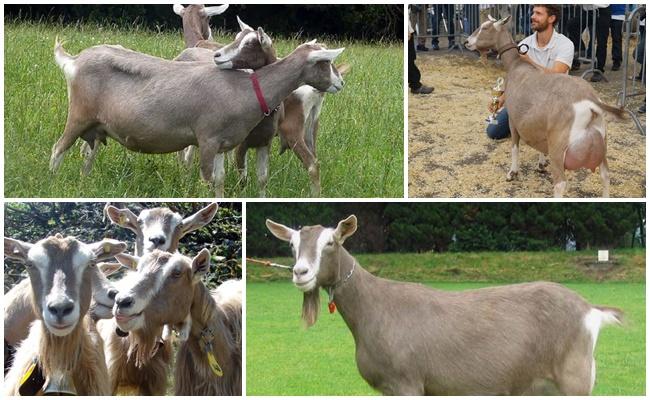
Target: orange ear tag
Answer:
[[332, 307]]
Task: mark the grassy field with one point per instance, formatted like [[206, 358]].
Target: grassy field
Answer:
[[360, 142], [285, 359]]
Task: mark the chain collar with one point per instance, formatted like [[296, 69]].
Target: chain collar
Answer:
[[514, 46]]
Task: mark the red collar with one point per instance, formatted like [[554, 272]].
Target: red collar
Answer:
[[260, 96]]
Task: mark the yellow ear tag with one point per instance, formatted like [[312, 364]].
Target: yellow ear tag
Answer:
[[122, 220], [134, 264], [214, 365], [107, 248], [28, 373]]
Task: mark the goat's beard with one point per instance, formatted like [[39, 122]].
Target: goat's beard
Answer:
[[310, 307]]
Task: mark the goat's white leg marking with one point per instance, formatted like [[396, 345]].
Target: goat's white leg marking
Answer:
[[541, 163], [559, 189], [262, 169], [186, 156], [314, 176], [604, 176], [514, 168], [218, 174]]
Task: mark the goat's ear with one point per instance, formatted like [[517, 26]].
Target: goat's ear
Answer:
[[343, 68], [500, 23], [109, 268], [264, 39], [345, 229], [280, 231], [179, 9], [122, 217], [311, 42], [201, 264], [324, 55], [16, 249], [199, 219], [107, 248], [215, 10], [128, 260], [242, 25]]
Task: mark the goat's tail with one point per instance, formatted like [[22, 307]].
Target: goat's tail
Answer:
[[611, 315], [615, 111], [64, 60]]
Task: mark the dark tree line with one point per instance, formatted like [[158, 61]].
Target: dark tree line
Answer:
[[440, 227], [311, 21], [32, 222]]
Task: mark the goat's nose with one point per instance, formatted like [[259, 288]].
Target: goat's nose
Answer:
[[112, 293], [300, 271], [217, 55], [125, 302], [61, 308], [157, 240]]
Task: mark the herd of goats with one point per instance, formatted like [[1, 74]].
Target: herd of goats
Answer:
[[70, 330], [171, 106]]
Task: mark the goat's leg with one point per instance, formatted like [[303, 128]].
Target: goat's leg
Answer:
[[310, 163], [73, 130], [186, 156], [541, 163], [577, 375], [241, 162], [557, 173], [212, 167], [604, 176], [90, 156], [514, 167], [262, 168]]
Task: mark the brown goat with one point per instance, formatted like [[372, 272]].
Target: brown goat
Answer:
[[164, 290], [413, 340], [63, 340]]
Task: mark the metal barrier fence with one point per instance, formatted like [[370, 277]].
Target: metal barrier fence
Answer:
[[632, 28]]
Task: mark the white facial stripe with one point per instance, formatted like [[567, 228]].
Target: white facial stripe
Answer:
[[40, 259], [295, 243], [326, 236], [230, 51]]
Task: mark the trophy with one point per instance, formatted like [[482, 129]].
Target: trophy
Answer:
[[497, 91]]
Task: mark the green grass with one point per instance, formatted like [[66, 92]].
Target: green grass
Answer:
[[360, 145], [285, 359], [557, 266]]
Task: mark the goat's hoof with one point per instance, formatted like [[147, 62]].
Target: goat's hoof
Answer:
[[511, 175]]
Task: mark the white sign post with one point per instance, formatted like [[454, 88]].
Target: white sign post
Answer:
[[603, 255]]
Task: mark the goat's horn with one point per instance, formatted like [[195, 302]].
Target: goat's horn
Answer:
[[242, 25], [491, 18], [215, 10]]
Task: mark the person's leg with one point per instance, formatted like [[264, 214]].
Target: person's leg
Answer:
[[617, 40], [435, 26], [502, 129], [414, 75], [422, 27], [603, 21]]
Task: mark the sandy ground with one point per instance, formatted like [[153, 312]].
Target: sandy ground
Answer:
[[451, 156]]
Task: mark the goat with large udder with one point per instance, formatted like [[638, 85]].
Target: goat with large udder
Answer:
[[556, 114], [196, 24], [178, 104], [63, 351], [413, 340], [164, 290], [139, 361]]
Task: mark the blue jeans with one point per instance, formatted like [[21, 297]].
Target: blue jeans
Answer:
[[502, 129]]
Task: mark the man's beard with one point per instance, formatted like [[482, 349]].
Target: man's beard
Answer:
[[540, 27]]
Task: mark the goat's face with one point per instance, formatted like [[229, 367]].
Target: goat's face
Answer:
[[61, 273], [320, 73], [160, 291], [252, 49], [160, 228], [316, 250], [197, 17], [485, 37]]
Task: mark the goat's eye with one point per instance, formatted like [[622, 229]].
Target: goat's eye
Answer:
[[330, 243], [139, 221], [177, 273]]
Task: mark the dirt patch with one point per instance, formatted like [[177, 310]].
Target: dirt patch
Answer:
[[600, 271], [451, 156]]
